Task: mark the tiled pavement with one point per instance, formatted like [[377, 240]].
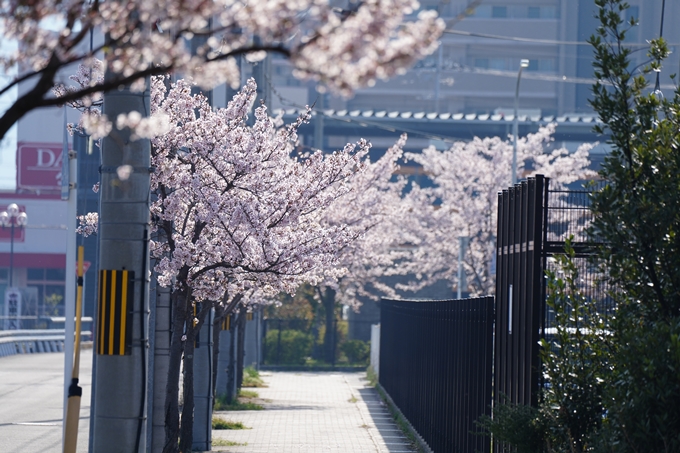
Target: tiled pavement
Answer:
[[314, 413]]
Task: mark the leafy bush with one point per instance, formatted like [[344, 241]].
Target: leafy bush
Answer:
[[294, 348], [575, 365], [357, 351]]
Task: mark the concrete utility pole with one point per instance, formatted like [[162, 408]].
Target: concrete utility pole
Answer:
[[120, 414], [203, 388], [159, 365]]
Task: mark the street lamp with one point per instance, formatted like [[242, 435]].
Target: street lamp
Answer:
[[524, 63], [11, 218]]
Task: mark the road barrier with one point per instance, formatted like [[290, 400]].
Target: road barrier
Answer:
[[14, 342]]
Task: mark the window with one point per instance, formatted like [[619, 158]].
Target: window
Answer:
[[546, 65], [50, 284], [497, 63], [486, 11], [541, 12], [542, 65], [491, 63], [499, 11], [482, 63], [482, 11]]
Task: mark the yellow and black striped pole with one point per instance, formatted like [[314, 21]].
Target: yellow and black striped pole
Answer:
[[75, 392], [114, 326]]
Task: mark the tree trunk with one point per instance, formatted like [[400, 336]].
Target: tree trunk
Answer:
[[187, 427], [186, 433], [328, 301], [241, 323], [179, 303]]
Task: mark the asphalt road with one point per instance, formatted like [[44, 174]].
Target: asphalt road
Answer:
[[31, 402]]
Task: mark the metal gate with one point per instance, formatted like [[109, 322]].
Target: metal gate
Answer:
[[533, 224]]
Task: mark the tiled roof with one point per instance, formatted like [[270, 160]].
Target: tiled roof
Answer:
[[439, 117]]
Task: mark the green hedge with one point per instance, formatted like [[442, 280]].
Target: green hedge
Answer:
[[296, 346]]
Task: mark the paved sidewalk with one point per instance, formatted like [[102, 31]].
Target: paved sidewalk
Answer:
[[314, 412]]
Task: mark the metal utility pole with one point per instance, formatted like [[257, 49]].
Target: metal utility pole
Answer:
[[318, 123], [515, 129], [462, 247], [120, 414], [262, 76]]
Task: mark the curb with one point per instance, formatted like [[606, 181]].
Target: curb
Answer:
[[397, 414], [311, 368]]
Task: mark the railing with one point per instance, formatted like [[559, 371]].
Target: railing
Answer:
[[14, 342], [435, 365]]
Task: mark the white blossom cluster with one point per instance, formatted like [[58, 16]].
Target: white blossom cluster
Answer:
[[88, 224], [240, 210], [344, 47]]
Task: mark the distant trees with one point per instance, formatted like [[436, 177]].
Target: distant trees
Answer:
[[463, 199]]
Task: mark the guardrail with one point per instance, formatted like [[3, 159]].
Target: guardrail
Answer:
[[14, 342]]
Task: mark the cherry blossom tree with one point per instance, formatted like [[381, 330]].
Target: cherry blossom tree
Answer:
[[239, 209], [463, 202], [344, 45], [241, 215], [374, 205]]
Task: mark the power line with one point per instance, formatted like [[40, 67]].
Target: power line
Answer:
[[535, 40]]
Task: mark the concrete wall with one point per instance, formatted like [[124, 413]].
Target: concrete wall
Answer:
[[375, 348], [252, 356]]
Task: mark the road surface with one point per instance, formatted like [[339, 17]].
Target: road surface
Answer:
[[31, 402]]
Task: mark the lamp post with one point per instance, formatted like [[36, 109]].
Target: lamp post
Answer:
[[11, 218], [524, 63]]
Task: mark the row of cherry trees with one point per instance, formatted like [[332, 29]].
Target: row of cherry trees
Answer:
[[241, 214]]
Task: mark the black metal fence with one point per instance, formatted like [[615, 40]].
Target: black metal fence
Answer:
[[435, 363], [533, 224]]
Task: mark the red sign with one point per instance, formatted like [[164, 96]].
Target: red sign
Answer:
[[39, 166], [86, 266], [6, 232]]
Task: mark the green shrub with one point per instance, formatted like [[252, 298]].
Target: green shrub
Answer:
[[220, 423], [295, 347], [251, 378], [357, 351]]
